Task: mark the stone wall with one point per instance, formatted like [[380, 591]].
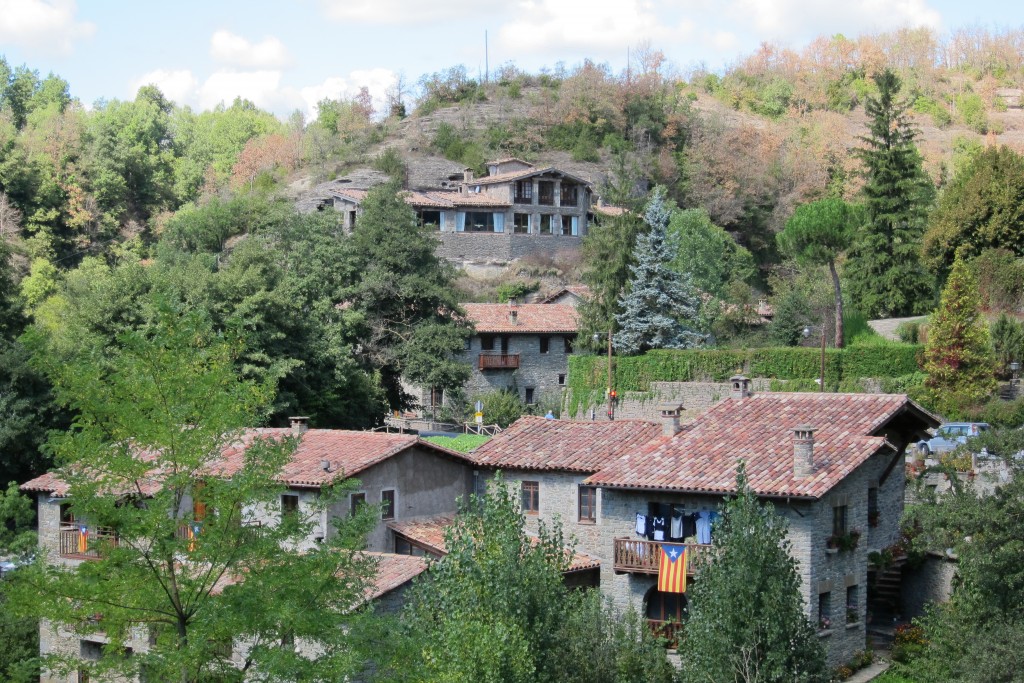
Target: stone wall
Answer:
[[541, 371], [695, 397], [931, 582], [501, 247]]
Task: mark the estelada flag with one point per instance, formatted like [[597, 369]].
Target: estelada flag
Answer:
[[672, 570]]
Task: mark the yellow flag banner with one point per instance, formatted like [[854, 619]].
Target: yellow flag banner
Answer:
[[672, 569]]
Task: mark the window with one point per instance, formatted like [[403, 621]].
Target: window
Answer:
[[289, 504], [404, 547], [521, 223], [545, 343], [65, 514], [561, 380], [546, 220], [529, 396], [839, 520], [570, 195], [546, 192], [387, 499], [852, 605], [356, 500], [568, 225], [432, 218], [351, 219], [873, 506], [480, 221], [89, 650], [486, 342], [824, 610], [524, 192], [567, 342], [588, 504], [665, 606], [531, 497]]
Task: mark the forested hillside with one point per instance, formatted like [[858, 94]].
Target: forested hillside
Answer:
[[111, 210]]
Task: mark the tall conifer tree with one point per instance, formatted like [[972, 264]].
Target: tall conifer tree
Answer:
[[884, 267], [660, 307]]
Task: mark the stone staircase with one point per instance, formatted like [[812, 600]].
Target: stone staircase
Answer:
[[884, 588]]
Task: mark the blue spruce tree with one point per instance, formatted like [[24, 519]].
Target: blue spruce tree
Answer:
[[659, 305]]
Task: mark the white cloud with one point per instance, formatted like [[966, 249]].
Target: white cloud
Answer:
[[410, 11], [797, 20], [377, 81], [178, 85], [234, 50], [41, 25], [551, 26], [262, 88]]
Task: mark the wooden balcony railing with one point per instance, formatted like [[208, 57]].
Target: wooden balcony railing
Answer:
[[671, 631], [499, 361], [89, 545], [638, 556]]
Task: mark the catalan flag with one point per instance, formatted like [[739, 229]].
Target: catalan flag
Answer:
[[672, 570]]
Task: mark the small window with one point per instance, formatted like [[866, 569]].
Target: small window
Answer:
[[90, 651], [387, 499], [561, 380], [545, 344], [824, 611], [546, 221], [65, 514], [531, 497], [839, 520], [530, 400], [486, 342], [357, 500], [289, 504], [588, 504], [467, 344], [521, 223], [852, 605]]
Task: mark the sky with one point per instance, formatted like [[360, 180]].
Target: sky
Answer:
[[289, 54]]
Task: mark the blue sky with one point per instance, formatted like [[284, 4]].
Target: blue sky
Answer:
[[288, 55]]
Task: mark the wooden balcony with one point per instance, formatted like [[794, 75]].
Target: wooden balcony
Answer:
[[89, 546], [639, 556], [671, 631], [499, 361]]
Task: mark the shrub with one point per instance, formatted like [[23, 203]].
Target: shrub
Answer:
[[1000, 276], [909, 332], [516, 290], [938, 112], [390, 161], [500, 407], [972, 111]]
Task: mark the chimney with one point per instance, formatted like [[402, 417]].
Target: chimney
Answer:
[[740, 387], [803, 451], [467, 175], [513, 313], [325, 465], [670, 419], [299, 425]]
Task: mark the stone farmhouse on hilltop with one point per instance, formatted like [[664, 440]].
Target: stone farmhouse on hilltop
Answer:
[[515, 210]]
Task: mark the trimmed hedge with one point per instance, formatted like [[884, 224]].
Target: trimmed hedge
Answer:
[[843, 367]]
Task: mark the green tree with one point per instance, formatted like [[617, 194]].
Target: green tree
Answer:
[[19, 635], [747, 620], [607, 250], [884, 270], [1007, 342], [958, 356], [659, 306], [983, 208], [496, 609], [709, 254], [817, 234], [154, 418], [412, 324]]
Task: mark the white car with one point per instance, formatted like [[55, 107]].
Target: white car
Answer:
[[950, 435]]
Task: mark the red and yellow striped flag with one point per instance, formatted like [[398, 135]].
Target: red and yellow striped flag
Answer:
[[672, 570]]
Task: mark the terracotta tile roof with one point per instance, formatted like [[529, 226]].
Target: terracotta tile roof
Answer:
[[437, 199], [425, 531], [348, 452], [608, 210], [759, 430], [530, 318], [394, 571], [534, 443], [512, 176], [429, 532], [505, 160], [349, 193], [580, 291]]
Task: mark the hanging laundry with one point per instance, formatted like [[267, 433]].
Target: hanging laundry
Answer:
[[704, 527], [641, 524], [676, 529], [660, 526]]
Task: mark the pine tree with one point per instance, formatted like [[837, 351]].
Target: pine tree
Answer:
[[958, 358], [747, 620], [884, 267], [659, 306]]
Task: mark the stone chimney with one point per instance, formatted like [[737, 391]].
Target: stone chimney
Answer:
[[299, 425], [803, 451], [740, 386], [670, 419], [467, 175], [513, 312]]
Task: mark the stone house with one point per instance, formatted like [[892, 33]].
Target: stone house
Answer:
[[515, 210], [520, 347], [405, 476], [831, 464]]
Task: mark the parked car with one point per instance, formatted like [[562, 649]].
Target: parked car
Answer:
[[950, 435]]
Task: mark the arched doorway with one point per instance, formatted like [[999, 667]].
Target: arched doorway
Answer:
[[665, 613]]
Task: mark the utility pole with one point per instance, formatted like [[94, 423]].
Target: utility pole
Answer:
[[611, 391], [487, 61]]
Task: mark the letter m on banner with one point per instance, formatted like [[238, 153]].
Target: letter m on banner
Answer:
[[672, 569]]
